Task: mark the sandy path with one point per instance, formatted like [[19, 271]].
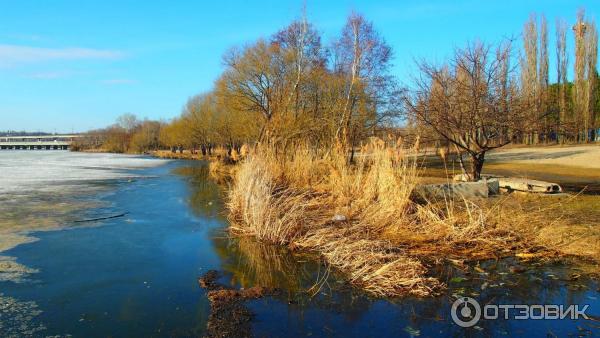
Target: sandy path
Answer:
[[584, 156]]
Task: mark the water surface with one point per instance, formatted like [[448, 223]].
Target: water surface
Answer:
[[137, 275]]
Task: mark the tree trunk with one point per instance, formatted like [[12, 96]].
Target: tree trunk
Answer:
[[461, 162], [477, 165]]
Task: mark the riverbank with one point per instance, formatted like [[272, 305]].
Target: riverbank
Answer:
[[308, 202], [138, 275], [184, 155], [367, 221]]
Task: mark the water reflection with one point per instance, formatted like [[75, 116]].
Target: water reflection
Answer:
[[205, 196], [249, 263], [317, 301]]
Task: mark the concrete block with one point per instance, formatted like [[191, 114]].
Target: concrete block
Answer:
[[480, 189]]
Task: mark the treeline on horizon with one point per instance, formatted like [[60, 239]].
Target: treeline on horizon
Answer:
[[292, 87]]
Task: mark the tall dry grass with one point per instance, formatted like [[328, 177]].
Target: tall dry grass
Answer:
[[365, 218], [261, 204]]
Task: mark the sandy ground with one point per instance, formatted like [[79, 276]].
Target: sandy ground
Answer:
[[584, 156], [576, 168]]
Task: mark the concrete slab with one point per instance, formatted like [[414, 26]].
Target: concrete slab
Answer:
[[480, 189]]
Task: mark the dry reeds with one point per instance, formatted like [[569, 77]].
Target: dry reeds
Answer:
[[363, 219], [266, 209]]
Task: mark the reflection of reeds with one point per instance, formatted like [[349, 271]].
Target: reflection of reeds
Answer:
[[364, 219], [270, 266], [221, 169], [205, 196]]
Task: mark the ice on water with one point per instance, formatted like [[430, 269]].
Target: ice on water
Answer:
[[40, 170]]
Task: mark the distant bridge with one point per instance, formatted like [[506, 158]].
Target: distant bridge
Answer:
[[39, 142]]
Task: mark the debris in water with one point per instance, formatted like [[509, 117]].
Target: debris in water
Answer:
[[457, 279], [412, 332], [229, 316], [478, 269], [517, 269], [101, 218]]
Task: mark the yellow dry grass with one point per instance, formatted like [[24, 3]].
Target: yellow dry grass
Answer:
[[365, 221]]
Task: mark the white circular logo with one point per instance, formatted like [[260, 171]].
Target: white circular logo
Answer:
[[466, 311]]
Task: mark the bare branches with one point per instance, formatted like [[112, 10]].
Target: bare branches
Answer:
[[468, 101]]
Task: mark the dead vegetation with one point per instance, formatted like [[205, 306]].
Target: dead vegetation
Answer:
[[229, 317], [366, 220]]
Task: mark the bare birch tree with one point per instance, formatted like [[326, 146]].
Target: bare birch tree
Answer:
[[364, 57]]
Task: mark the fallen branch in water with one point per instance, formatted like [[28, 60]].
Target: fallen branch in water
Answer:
[[101, 218]]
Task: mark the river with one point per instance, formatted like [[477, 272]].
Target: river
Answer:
[[137, 274]]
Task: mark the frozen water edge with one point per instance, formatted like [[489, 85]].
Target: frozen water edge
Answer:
[[35, 170], [31, 181]]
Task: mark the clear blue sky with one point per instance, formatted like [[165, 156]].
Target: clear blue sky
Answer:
[[76, 65]]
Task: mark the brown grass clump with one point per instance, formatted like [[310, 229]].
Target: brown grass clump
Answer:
[[365, 220], [269, 211], [374, 265]]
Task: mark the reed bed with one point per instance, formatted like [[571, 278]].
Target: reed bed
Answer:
[[366, 220]]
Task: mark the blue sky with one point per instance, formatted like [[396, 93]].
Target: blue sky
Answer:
[[76, 65]]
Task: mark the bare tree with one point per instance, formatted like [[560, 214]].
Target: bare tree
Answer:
[[363, 56], [254, 83], [301, 45], [462, 100], [128, 122]]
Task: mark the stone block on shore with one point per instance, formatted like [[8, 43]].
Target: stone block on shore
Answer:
[[480, 189]]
